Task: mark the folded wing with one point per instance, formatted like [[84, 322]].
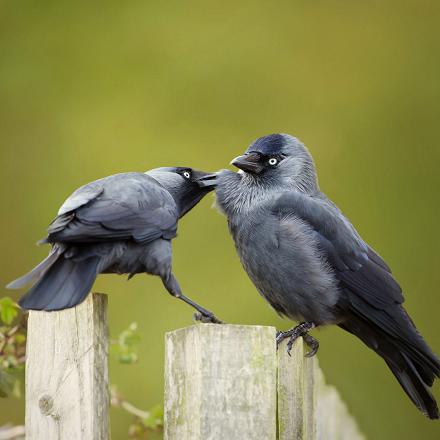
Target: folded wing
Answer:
[[119, 207], [371, 299]]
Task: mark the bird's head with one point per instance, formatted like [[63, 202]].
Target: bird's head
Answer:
[[182, 184], [279, 159]]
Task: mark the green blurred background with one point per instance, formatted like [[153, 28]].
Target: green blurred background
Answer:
[[89, 89]]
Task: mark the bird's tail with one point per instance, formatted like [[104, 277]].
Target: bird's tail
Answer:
[[64, 284], [406, 353], [37, 272]]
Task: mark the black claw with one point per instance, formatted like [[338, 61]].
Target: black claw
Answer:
[[294, 333], [290, 346], [311, 353], [312, 343], [280, 336]]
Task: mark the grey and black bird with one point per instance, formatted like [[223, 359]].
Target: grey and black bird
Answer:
[[308, 261], [121, 224]]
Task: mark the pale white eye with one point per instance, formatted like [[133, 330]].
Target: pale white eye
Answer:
[[273, 161], [187, 174]]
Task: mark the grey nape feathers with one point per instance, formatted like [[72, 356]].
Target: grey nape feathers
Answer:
[[310, 264], [120, 224]]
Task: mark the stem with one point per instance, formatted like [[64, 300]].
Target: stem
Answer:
[[118, 401], [133, 410]]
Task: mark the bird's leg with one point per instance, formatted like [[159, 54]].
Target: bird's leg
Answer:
[[294, 333], [202, 314]]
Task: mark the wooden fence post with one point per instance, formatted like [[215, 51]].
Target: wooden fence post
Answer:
[[220, 383], [67, 395]]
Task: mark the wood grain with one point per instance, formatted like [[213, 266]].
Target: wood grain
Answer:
[[67, 395]]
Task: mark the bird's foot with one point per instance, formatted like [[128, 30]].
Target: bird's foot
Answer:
[[312, 343], [294, 333], [207, 318]]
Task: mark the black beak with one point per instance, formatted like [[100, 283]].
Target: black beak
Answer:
[[250, 163], [207, 180]]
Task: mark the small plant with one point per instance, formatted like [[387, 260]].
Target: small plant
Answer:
[[145, 425], [12, 347], [124, 347]]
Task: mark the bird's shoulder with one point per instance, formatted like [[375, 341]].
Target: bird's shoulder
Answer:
[[304, 203]]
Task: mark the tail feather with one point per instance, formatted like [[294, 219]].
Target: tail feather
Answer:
[[65, 284], [414, 386], [414, 366], [36, 273]]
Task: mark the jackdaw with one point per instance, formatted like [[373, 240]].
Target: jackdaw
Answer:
[[120, 224], [307, 260]]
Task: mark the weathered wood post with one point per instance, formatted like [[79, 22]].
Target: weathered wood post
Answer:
[[296, 393], [220, 383], [224, 382], [67, 395]]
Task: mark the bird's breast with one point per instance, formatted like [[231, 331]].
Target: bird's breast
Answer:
[[282, 259]]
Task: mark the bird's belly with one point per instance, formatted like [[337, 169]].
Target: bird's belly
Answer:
[[132, 258], [288, 271]]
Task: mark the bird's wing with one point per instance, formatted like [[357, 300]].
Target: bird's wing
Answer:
[[355, 264], [123, 206], [371, 300]]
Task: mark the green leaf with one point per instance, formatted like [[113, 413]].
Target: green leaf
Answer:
[[124, 349], [8, 310], [128, 358], [155, 419], [130, 337]]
